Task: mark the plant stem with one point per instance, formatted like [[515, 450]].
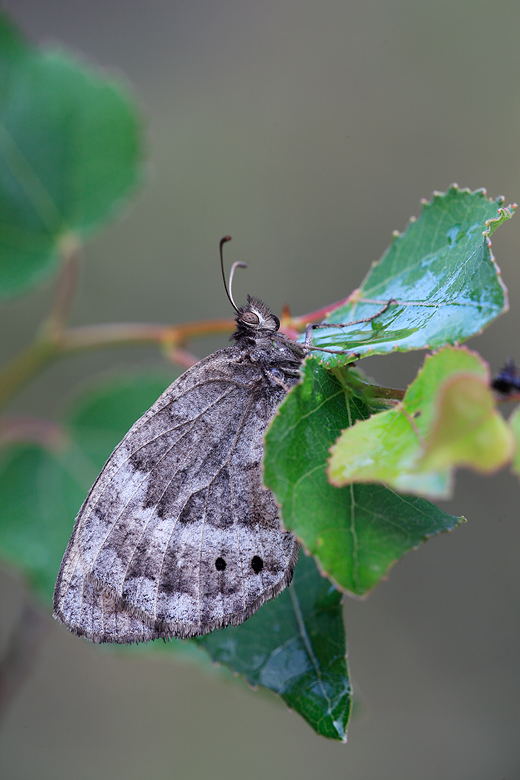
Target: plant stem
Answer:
[[24, 366], [65, 293], [46, 344], [128, 333], [52, 344], [55, 340], [24, 428], [319, 314], [390, 393]]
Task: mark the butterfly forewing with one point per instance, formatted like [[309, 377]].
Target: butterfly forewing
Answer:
[[177, 536]]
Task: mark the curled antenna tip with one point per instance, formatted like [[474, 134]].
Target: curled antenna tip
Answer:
[[235, 265]]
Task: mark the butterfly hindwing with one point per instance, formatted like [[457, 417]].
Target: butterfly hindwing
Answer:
[[177, 535]]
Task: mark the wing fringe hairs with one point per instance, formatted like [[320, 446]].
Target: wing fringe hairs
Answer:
[[106, 617]]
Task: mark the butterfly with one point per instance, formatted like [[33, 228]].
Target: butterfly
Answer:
[[178, 536]]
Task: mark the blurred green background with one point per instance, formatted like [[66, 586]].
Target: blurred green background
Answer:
[[308, 131]]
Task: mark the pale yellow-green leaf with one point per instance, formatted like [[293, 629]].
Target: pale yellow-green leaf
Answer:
[[468, 430], [514, 422], [446, 419]]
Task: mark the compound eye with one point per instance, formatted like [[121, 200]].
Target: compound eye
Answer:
[[251, 318]]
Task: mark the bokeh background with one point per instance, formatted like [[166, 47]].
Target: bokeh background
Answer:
[[308, 131]]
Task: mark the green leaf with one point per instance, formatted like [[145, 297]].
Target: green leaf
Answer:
[[42, 489], [446, 419], [295, 646], [468, 429], [40, 494], [440, 272], [70, 152], [358, 532]]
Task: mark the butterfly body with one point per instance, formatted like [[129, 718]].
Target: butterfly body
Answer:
[[177, 536]]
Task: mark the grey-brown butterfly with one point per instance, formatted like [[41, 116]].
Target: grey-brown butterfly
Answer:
[[178, 536]]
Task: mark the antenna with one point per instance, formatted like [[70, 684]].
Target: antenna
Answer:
[[231, 273]]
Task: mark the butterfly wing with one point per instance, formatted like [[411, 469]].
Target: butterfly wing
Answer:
[[177, 535]]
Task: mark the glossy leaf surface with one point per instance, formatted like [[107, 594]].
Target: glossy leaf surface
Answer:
[[356, 533], [440, 272]]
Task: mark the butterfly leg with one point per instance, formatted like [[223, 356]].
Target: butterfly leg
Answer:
[[313, 326], [277, 380], [308, 336]]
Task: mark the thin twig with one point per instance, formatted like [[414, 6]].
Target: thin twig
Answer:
[[130, 333], [52, 345], [319, 314], [390, 393], [24, 366], [182, 357], [65, 293], [24, 428]]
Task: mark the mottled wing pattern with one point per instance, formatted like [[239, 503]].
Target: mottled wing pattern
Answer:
[[177, 535]]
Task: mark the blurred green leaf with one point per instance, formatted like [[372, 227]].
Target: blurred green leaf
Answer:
[[441, 272], [41, 490], [446, 419], [295, 645], [40, 494], [71, 150], [356, 533]]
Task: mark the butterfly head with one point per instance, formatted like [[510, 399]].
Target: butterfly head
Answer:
[[255, 320]]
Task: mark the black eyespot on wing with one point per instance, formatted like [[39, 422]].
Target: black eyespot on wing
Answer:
[[220, 564], [257, 564]]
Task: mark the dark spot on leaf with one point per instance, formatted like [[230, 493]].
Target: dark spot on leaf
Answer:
[[416, 415], [257, 564], [220, 564]]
